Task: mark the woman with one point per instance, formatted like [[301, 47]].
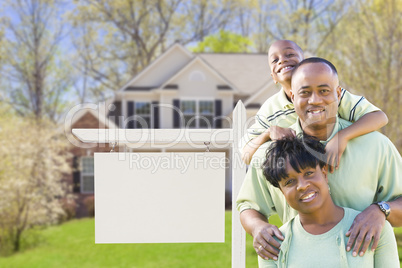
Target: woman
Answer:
[[316, 236]]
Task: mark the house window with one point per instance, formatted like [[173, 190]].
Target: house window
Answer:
[[198, 114], [143, 111], [189, 111], [87, 175]]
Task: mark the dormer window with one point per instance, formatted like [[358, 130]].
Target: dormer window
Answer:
[[196, 76]]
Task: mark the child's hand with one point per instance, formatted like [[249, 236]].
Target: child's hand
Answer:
[[277, 133], [334, 150]]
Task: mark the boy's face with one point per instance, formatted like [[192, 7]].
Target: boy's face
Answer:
[[315, 94], [306, 191], [283, 56]]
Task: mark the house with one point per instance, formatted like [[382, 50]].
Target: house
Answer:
[[179, 89]]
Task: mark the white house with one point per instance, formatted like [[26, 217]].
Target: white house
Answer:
[[179, 89]]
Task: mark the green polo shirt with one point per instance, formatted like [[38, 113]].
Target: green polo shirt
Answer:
[[279, 111], [303, 250], [370, 170]]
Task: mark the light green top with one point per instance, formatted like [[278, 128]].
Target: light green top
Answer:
[[301, 249], [279, 111], [370, 170]]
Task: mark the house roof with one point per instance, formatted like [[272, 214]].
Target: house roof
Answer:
[[98, 111], [160, 58], [247, 72], [227, 86]]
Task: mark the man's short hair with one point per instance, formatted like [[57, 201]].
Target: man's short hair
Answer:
[[314, 60], [297, 150]]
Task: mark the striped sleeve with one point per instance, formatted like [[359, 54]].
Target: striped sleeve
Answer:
[[353, 107]]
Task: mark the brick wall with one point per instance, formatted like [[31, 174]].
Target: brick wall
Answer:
[[88, 120]]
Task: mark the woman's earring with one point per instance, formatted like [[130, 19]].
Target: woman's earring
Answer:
[[329, 189]]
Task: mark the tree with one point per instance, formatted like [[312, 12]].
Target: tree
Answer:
[[116, 39], [368, 57], [35, 74], [34, 160], [309, 22], [224, 41]]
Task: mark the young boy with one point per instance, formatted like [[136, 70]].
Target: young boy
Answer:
[[277, 113], [316, 237]]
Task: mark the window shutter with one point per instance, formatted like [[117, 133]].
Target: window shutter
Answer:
[[155, 113], [116, 113], [218, 114], [76, 175], [130, 113], [176, 114]]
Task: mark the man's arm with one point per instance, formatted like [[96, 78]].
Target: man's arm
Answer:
[[368, 225], [367, 123], [262, 232]]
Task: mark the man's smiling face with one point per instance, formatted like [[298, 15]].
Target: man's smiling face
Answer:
[[315, 94], [283, 56]]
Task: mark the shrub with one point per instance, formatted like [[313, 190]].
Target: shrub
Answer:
[[89, 203], [69, 207]]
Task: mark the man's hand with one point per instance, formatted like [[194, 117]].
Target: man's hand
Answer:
[[367, 226], [277, 133], [264, 244], [334, 150]]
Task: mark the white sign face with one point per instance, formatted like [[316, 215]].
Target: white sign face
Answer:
[[159, 197]]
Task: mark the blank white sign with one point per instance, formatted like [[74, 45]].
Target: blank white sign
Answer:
[[159, 197]]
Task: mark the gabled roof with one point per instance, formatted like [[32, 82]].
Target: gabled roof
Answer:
[[256, 96], [155, 62], [198, 59], [83, 109], [247, 72]]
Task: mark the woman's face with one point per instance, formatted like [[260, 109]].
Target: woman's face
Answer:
[[306, 191]]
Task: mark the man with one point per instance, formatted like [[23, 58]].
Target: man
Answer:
[[370, 170], [277, 113]]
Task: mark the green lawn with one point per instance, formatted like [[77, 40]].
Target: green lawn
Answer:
[[72, 245]]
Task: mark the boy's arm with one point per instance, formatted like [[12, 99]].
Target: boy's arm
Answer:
[[367, 123], [272, 133]]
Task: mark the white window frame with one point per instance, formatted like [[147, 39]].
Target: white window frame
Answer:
[[82, 174], [197, 113]]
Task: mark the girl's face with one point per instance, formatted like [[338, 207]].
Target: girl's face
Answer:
[[306, 191]]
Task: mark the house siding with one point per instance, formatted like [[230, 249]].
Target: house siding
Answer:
[[179, 75]]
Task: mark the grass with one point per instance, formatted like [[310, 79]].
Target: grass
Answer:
[[72, 245], [398, 235]]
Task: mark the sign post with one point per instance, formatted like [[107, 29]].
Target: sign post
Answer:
[[123, 188]]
